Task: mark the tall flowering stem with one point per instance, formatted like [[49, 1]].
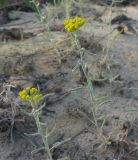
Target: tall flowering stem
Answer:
[[73, 25], [33, 96], [88, 77]]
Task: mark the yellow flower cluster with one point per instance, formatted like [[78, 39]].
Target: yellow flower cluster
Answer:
[[73, 24], [30, 94]]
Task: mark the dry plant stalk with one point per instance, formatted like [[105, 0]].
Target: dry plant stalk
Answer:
[[8, 97]]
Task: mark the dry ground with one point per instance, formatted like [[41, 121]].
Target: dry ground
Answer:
[[32, 61]]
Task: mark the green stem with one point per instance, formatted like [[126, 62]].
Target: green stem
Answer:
[[47, 147], [38, 11], [88, 78], [36, 116], [67, 8]]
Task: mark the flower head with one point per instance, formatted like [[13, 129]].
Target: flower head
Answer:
[[30, 94], [73, 24], [37, 97]]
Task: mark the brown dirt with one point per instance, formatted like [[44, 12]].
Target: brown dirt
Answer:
[[32, 61]]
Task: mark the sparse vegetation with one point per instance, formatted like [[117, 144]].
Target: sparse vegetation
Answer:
[[68, 80]]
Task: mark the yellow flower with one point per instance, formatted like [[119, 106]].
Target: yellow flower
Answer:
[[37, 97], [33, 90], [30, 94], [28, 88], [22, 93], [73, 24], [27, 97]]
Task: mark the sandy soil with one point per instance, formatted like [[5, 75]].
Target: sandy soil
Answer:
[[32, 60]]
